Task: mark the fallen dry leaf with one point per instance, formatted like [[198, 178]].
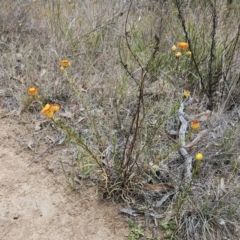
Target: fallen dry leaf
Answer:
[[80, 119], [73, 106], [164, 199], [56, 84], [197, 139], [204, 116], [43, 71], [31, 143], [81, 89], [154, 166], [66, 114], [131, 212], [161, 187], [38, 126]]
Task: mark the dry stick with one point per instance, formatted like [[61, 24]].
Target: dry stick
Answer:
[[183, 151], [196, 139], [127, 153], [212, 55], [127, 166]]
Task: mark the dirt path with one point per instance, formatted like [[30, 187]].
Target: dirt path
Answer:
[[37, 204]]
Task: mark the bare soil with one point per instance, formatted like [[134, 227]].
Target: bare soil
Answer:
[[36, 202]]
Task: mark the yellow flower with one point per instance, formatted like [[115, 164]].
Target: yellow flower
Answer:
[[186, 93], [55, 107], [64, 64], [32, 91], [189, 53], [50, 109], [174, 48], [178, 54], [182, 45], [195, 125], [199, 156]]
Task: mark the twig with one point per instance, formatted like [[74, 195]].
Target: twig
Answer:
[[196, 139], [126, 38], [182, 131], [183, 151], [40, 155], [188, 164], [212, 55]]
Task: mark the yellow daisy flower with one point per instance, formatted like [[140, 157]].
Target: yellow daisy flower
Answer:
[[64, 64], [186, 93], [182, 45], [199, 156], [178, 54], [48, 111], [195, 125], [32, 91], [55, 107], [189, 53], [174, 48]]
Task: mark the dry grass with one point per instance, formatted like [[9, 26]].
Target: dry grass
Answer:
[[114, 50]]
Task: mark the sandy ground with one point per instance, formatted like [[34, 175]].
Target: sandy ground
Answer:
[[36, 203]]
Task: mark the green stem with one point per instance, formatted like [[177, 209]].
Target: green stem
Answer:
[[73, 136]]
